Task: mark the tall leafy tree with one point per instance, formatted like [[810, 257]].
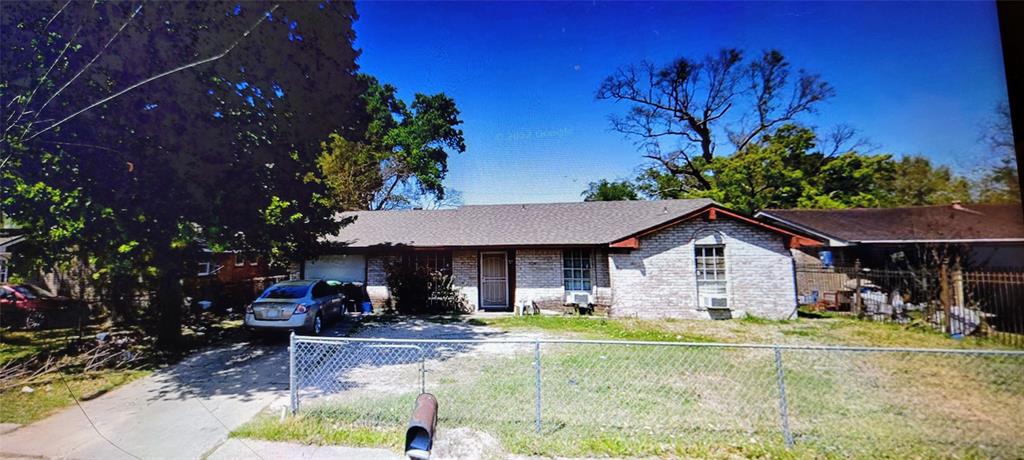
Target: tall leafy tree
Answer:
[[683, 114], [726, 127], [916, 181], [134, 130], [606, 190], [402, 159], [788, 170]]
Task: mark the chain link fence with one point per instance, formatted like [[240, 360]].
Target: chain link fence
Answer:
[[574, 397]]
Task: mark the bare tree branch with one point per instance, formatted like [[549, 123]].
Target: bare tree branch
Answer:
[[690, 101], [215, 57], [42, 79], [77, 144], [61, 10], [86, 67]]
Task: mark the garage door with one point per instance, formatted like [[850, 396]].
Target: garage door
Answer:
[[348, 267]]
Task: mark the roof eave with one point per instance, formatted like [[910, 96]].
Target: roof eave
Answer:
[[943, 241], [793, 240], [833, 240]]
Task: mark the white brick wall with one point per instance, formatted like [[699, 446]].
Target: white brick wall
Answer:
[[539, 277], [658, 279], [465, 271]]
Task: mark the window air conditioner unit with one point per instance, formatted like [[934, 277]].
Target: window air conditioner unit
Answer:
[[580, 298], [714, 302]]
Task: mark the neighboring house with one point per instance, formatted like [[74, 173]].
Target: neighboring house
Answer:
[[649, 259], [984, 236], [231, 266], [9, 239], [230, 278]]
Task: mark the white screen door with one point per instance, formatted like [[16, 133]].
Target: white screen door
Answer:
[[493, 280]]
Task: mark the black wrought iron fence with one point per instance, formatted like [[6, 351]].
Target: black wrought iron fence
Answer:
[[951, 300]]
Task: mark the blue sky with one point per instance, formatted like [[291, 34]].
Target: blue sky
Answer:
[[914, 78]]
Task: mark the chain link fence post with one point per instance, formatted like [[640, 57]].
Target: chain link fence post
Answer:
[[292, 390], [536, 365], [783, 404]]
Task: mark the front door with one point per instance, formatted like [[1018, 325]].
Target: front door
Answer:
[[493, 279]]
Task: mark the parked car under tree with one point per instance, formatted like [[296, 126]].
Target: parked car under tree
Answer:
[[303, 305], [31, 307]]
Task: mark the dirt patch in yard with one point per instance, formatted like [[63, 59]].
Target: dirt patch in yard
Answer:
[[367, 370]]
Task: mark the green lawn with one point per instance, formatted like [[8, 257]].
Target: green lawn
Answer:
[[18, 345], [51, 395], [826, 330], [698, 401]]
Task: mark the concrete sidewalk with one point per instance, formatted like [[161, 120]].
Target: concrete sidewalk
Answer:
[[183, 411], [250, 448]]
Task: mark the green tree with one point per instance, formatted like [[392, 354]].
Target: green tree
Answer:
[[402, 159], [787, 170], [917, 182], [351, 171], [606, 190], [682, 114], [133, 131]]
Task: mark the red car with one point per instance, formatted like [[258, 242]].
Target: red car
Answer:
[[30, 307]]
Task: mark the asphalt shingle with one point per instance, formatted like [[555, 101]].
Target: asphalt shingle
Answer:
[[582, 223], [931, 223]]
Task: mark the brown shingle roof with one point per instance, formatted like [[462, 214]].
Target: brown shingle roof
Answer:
[[923, 223], [585, 223]]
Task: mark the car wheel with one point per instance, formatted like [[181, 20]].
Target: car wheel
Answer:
[[318, 324], [34, 320]]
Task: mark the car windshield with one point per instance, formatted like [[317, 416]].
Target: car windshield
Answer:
[[286, 291]]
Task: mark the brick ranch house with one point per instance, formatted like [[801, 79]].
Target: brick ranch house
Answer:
[[648, 259]]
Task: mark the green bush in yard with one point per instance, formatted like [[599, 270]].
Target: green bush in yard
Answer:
[[416, 289]]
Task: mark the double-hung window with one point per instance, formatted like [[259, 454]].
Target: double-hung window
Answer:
[[711, 284], [576, 269]]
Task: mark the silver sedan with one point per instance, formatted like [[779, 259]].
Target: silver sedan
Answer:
[[302, 305]]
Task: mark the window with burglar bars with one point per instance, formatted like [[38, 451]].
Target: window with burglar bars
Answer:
[[576, 269], [710, 262], [435, 261]]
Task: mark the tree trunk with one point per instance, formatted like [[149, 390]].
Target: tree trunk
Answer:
[[121, 291], [168, 300]]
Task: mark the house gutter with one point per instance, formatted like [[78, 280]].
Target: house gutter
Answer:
[[833, 240], [711, 213], [969, 240]]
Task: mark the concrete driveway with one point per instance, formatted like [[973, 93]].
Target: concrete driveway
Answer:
[[183, 411], [186, 411]]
